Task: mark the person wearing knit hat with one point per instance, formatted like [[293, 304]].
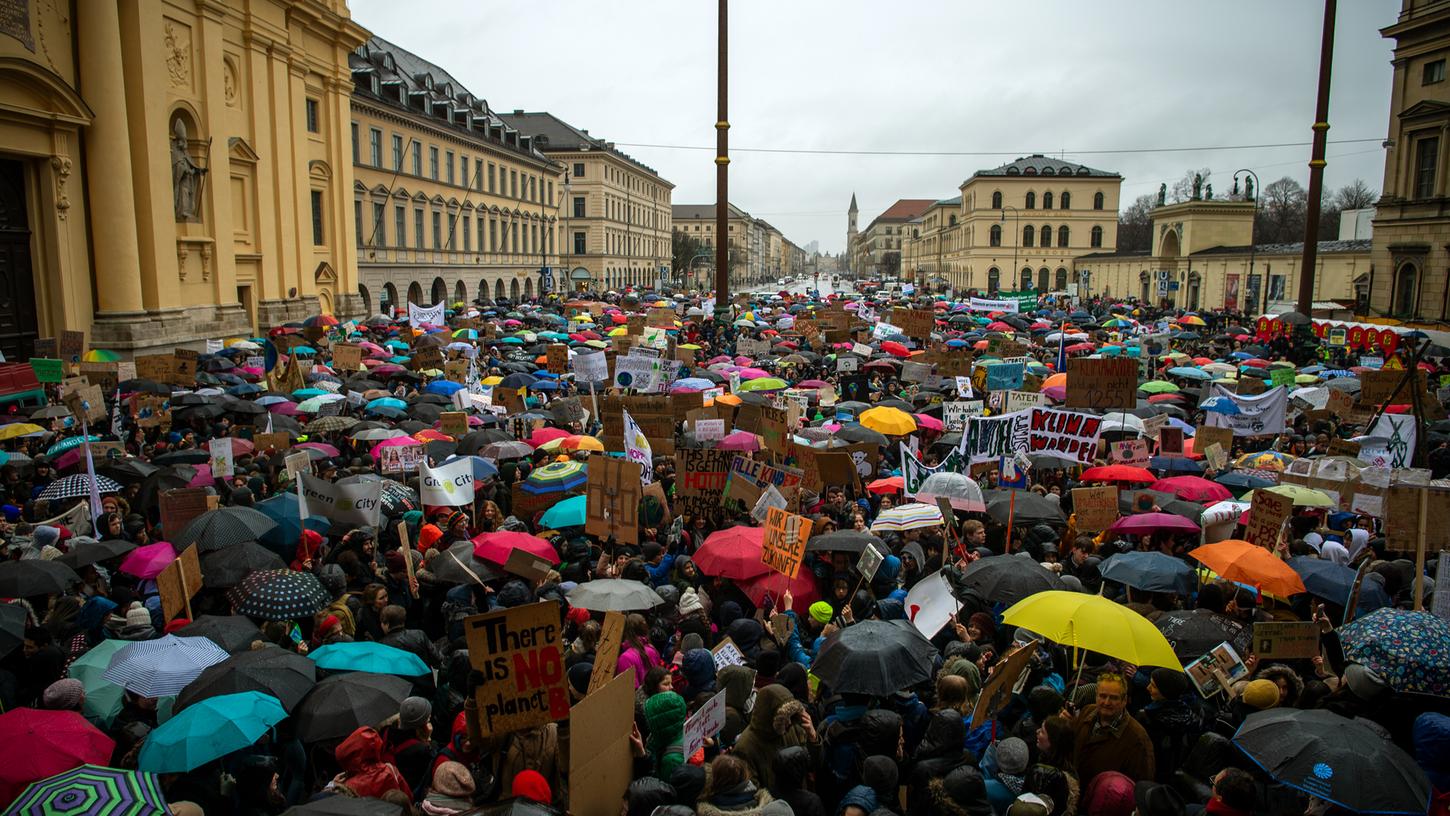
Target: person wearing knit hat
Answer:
[[1030, 804], [1110, 794], [1012, 756], [1005, 767], [451, 791], [66, 694], [664, 714], [821, 612], [530, 784], [1170, 684], [1261, 694], [690, 602], [414, 713], [138, 624]]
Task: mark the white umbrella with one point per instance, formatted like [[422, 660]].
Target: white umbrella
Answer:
[[1118, 422], [956, 488]]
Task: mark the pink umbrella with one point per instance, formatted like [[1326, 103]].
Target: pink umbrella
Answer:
[[719, 358], [496, 547], [325, 448], [250, 371], [812, 384], [545, 435], [389, 368], [373, 348], [1192, 488], [1149, 523], [202, 477], [395, 442], [71, 458], [1055, 392], [743, 360], [283, 408], [930, 423], [147, 562], [740, 441], [752, 373], [241, 447]]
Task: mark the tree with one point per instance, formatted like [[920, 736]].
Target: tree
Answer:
[[1352, 196], [890, 264], [1135, 225], [1280, 217], [1355, 195], [683, 249]]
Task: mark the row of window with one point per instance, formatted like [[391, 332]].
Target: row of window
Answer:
[[1044, 238], [1044, 278], [450, 168], [1064, 202], [447, 233]]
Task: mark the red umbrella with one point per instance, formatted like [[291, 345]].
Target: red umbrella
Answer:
[[1148, 523], [891, 484], [1192, 488], [546, 435], [1118, 473], [802, 588], [1157, 399], [496, 547], [1077, 347], [732, 553], [739, 441], [895, 349], [37, 743]]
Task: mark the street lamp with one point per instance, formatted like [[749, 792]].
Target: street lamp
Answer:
[[1017, 239], [690, 267], [1250, 192]]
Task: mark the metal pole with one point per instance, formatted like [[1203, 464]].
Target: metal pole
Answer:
[[1316, 165], [722, 175]]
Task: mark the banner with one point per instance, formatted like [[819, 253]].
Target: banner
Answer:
[[418, 315], [1064, 434], [221, 457], [1391, 441], [355, 503], [637, 449], [449, 485], [914, 472], [1004, 302], [987, 439], [1259, 415]]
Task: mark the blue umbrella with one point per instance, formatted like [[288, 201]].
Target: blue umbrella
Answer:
[[567, 513], [162, 667], [386, 402], [208, 730], [1175, 464], [282, 539], [1239, 479], [444, 388], [1150, 572], [69, 442], [1221, 405], [1333, 582], [1190, 373], [366, 656]]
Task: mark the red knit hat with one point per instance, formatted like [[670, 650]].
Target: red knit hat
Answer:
[[532, 785], [577, 615], [176, 624]]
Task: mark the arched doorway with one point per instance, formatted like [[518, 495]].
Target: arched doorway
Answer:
[[1407, 279], [440, 291], [482, 289], [362, 292], [1061, 278], [514, 290], [324, 301], [994, 280], [388, 299], [528, 288], [460, 293], [498, 291], [415, 293], [1043, 279], [1026, 279], [18, 319], [1145, 283]]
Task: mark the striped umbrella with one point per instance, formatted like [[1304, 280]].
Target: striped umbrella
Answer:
[[92, 790], [278, 595], [162, 667], [907, 517], [77, 485], [556, 478]]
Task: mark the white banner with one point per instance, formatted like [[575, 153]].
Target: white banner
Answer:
[[639, 373], [881, 331], [930, 604], [591, 368], [449, 485], [1390, 442], [418, 315], [1259, 415], [988, 439], [988, 305], [221, 457], [637, 449], [356, 503]]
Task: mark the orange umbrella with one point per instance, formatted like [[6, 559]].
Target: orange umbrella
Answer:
[[1250, 564], [1055, 380], [728, 399]]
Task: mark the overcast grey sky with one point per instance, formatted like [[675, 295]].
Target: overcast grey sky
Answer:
[[1063, 77]]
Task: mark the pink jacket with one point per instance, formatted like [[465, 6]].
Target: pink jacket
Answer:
[[630, 658]]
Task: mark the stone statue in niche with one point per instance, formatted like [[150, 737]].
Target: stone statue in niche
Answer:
[[186, 175], [1197, 186]]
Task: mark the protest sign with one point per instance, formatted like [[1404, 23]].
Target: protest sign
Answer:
[[769, 498], [155, 367], [448, 485], [86, 403], [427, 358], [591, 368], [1259, 415], [347, 357], [847, 364], [47, 370], [997, 691], [916, 372], [46, 348], [517, 651], [991, 438], [1108, 383], [1170, 441], [955, 414], [1096, 508], [221, 456], [930, 604], [612, 506], [183, 371], [1022, 400], [1004, 376], [298, 462], [354, 503], [179, 507], [1065, 434], [1286, 639], [869, 562], [709, 430], [1131, 452], [917, 323], [1208, 435], [401, 458], [700, 480], [103, 375], [1282, 375], [606, 654], [72, 346], [705, 723], [726, 653], [453, 423], [1266, 516], [784, 543], [1216, 671], [884, 330], [178, 582]]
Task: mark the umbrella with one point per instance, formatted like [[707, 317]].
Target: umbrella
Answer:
[[1302, 496], [342, 703], [775, 584], [556, 478], [874, 657], [364, 656], [496, 547], [911, 516], [1192, 488], [852, 541], [1008, 579], [88, 552], [12, 627], [957, 488], [1264, 460], [209, 729], [35, 576], [1023, 507], [1194, 632], [282, 509], [36, 744], [1150, 572], [456, 565], [1149, 523], [278, 595], [889, 421], [164, 666], [567, 513], [1334, 583], [231, 632], [285, 675], [216, 529], [337, 805], [1250, 564], [732, 553], [1241, 480], [613, 595], [149, 561], [103, 698], [1342, 761], [93, 790], [1118, 473], [227, 567], [76, 485], [1410, 650], [1095, 623]]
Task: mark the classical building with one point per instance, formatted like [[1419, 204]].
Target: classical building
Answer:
[[616, 211], [749, 242], [1410, 277], [451, 202], [173, 172], [876, 251]]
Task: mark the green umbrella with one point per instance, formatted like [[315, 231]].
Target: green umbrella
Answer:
[[1158, 387], [763, 384], [94, 790], [103, 698]]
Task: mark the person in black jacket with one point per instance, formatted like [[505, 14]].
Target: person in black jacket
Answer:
[[394, 621], [791, 768], [941, 750]]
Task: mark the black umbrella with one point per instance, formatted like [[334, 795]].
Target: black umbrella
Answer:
[[142, 386], [1009, 578], [874, 657], [191, 456], [288, 676], [216, 529], [1342, 761], [35, 576], [852, 541], [854, 432], [12, 627], [128, 471], [233, 633], [456, 565], [1194, 632], [1029, 508], [518, 806], [92, 552], [518, 381], [228, 566], [278, 595], [336, 805], [342, 703]]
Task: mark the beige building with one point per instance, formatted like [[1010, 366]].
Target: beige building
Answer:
[[698, 221], [615, 211], [876, 251], [1410, 277], [1203, 258], [450, 201], [172, 172]]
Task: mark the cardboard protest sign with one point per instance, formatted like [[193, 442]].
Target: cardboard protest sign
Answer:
[[87, 403], [1170, 441], [784, 543], [72, 346], [1207, 435], [155, 367], [1109, 383], [1267, 513], [102, 375], [869, 562], [997, 691], [600, 762], [955, 414], [606, 653], [726, 653], [47, 370], [47, 348], [179, 507], [705, 723], [1286, 639], [517, 650], [1096, 508], [347, 357], [1131, 452], [557, 357], [178, 583], [453, 423], [183, 371], [916, 372], [220, 450], [299, 462], [613, 499]]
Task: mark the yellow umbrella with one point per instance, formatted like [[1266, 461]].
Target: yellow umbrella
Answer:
[[1094, 623], [581, 442], [619, 332], [887, 420], [491, 380], [691, 346], [18, 429]]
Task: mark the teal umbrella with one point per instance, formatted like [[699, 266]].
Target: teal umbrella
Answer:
[[103, 698], [69, 442], [303, 350], [305, 393], [209, 729], [386, 402], [567, 513], [366, 656]]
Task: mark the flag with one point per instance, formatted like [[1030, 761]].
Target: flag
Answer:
[[637, 449], [449, 485], [116, 429], [96, 509], [356, 503], [1062, 347]]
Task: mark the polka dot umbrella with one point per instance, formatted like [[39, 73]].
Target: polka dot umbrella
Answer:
[[278, 595]]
